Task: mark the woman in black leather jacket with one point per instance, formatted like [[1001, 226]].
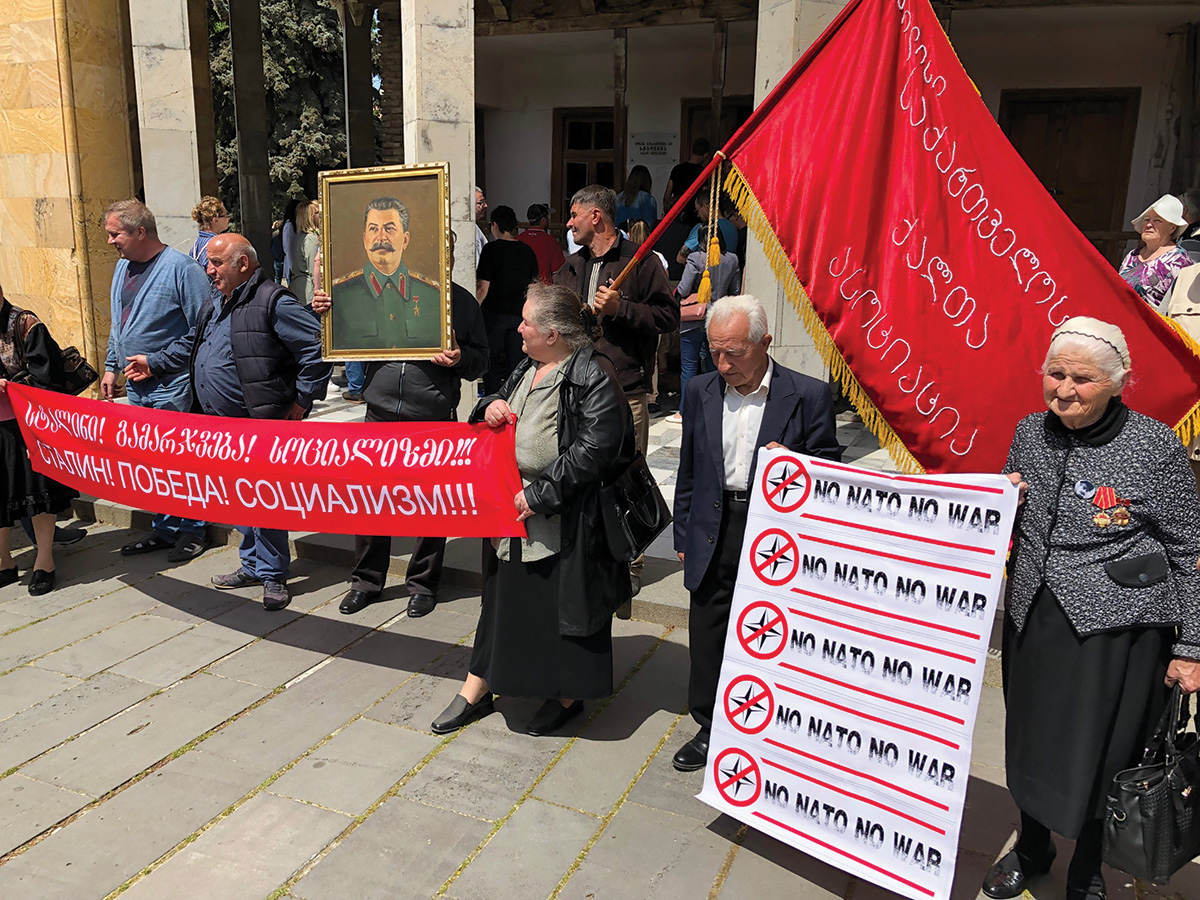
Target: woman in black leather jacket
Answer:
[[545, 629]]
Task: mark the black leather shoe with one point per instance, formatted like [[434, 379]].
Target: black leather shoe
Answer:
[[1009, 877], [552, 716], [420, 605], [1094, 891], [356, 601], [41, 582], [692, 755], [460, 713], [8, 576]]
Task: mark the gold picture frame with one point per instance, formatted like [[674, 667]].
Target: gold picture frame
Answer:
[[387, 303]]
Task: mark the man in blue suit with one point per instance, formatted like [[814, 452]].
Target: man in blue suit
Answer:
[[748, 403]]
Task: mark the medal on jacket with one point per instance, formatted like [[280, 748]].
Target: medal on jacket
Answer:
[[1105, 498], [1085, 490]]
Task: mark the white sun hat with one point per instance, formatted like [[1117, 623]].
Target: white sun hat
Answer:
[[1169, 208]]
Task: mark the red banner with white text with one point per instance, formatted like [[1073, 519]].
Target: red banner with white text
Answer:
[[412, 478], [926, 259]]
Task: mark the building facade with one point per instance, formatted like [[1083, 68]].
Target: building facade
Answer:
[[100, 99]]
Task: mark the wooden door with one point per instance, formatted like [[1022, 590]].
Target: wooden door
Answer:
[[583, 153], [697, 121], [1079, 143]]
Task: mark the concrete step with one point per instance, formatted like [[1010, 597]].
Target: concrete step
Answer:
[[662, 599]]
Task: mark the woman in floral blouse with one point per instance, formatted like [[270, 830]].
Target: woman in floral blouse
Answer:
[[1150, 269]]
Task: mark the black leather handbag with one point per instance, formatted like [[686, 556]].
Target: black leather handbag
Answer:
[[77, 373], [1152, 818], [633, 510]]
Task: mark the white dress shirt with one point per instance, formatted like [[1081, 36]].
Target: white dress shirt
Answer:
[[741, 420], [480, 242]]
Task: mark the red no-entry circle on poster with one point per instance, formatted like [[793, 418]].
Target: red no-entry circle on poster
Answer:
[[785, 484], [738, 779], [749, 704], [774, 557], [762, 630]]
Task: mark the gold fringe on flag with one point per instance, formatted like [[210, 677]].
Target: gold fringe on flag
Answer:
[[743, 198], [1189, 427]]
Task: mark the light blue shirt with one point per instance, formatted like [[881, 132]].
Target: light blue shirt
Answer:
[[165, 309]]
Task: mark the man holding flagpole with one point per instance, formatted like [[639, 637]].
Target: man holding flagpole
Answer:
[[631, 318]]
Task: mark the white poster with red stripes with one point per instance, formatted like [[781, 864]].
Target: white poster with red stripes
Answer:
[[853, 663]]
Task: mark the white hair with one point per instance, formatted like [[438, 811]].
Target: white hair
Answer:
[[1101, 342], [745, 305]]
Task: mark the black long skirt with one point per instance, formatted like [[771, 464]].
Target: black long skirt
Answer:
[[25, 492], [518, 649], [1078, 711]]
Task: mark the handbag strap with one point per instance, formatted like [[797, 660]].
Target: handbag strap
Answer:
[[612, 478], [1162, 734]]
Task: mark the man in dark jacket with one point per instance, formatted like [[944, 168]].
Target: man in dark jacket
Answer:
[[256, 356], [749, 402], [631, 318], [420, 391]]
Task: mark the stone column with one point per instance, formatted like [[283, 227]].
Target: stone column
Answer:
[[785, 30], [250, 113], [64, 156], [438, 41], [166, 79], [356, 20], [391, 77]]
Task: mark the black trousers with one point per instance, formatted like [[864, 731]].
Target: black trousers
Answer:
[[373, 555], [708, 617]]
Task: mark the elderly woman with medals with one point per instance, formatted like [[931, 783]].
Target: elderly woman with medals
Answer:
[[1103, 603]]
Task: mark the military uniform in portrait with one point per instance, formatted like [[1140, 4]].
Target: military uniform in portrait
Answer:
[[373, 311]]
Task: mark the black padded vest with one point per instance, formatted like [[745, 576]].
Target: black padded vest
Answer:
[[265, 366]]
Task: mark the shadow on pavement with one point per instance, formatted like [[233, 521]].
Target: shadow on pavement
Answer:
[[396, 649]]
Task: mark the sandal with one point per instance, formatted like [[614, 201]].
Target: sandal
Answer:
[[146, 545], [187, 546]]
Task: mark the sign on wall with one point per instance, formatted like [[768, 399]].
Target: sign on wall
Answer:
[[854, 661], [653, 148]]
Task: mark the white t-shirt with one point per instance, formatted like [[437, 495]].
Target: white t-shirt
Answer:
[[480, 243]]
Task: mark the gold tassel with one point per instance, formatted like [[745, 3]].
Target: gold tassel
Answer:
[[743, 197], [713, 258], [704, 292]]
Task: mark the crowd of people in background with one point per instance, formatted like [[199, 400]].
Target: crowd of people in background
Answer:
[[571, 356]]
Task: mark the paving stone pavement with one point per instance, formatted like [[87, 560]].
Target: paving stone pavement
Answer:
[[161, 739]]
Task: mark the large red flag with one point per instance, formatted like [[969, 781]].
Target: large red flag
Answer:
[[926, 260]]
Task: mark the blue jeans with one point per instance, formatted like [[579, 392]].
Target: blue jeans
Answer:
[[502, 337], [265, 553], [356, 377], [176, 396], [693, 357]]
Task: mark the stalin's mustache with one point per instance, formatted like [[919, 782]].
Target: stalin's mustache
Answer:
[[382, 245]]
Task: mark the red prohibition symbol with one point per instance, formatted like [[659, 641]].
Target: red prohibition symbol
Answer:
[[762, 630], [785, 484], [738, 779], [774, 557], [749, 704]]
